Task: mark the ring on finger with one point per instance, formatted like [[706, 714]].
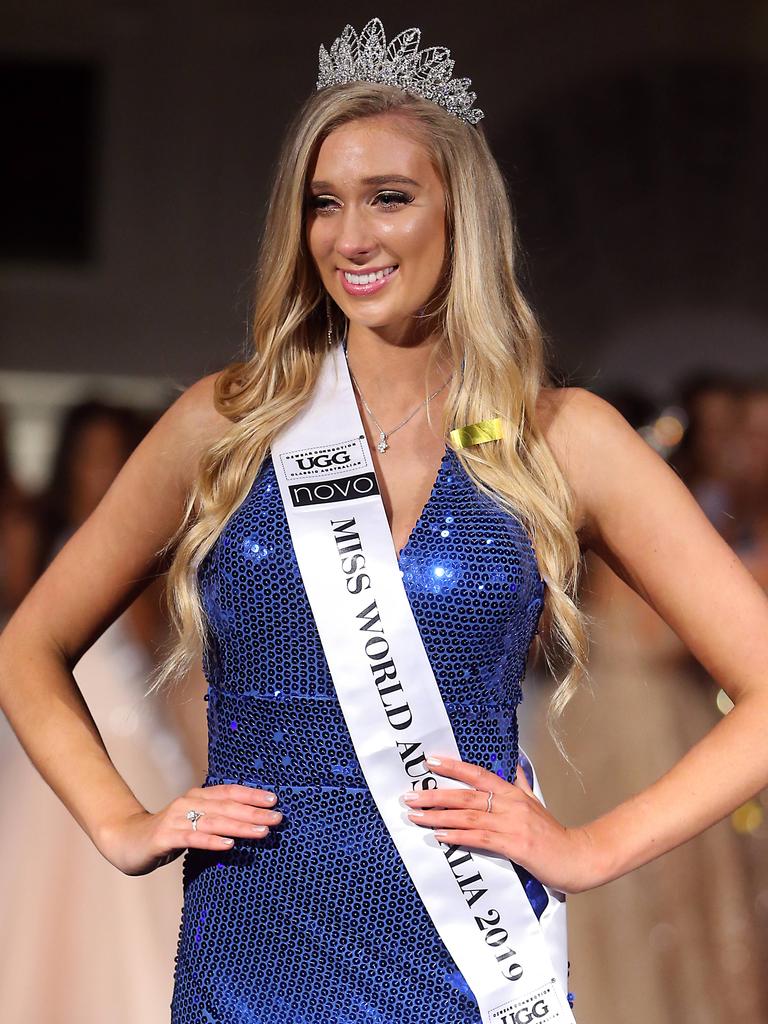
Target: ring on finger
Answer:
[[193, 816], [490, 802]]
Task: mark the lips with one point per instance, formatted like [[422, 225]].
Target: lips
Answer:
[[366, 289]]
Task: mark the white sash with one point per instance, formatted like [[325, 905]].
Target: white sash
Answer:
[[515, 964]]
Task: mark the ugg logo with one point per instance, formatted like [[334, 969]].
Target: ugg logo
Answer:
[[527, 1014], [324, 462], [538, 1007]]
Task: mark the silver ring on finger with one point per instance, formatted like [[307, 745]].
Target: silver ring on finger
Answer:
[[490, 801], [193, 816]]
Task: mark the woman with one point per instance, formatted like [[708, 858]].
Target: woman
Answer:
[[298, 906], [68, 914]]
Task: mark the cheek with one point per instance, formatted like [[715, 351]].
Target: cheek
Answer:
[[426, 239], [320, 237]]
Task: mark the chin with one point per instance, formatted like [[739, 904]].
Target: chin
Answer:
[[380, 318]]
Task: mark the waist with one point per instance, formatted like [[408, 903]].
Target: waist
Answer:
[[303, 742]]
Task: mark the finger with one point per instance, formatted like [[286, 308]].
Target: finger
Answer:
[[172, 840], [205, 841], [458, 819], [465, 771], [233, 791], [481, 839], [472, 799], [241, 812], [223, 825]]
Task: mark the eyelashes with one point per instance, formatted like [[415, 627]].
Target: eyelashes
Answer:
[[394, 201]]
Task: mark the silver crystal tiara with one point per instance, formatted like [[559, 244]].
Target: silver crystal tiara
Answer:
[[426, 73]]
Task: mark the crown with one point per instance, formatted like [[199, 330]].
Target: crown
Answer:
[[426, 73]]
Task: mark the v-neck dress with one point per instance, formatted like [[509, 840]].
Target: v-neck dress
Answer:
[[320, 922]]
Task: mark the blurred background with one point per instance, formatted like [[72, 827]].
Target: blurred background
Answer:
[[138, 144]]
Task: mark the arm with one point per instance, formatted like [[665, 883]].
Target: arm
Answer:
[[644, 523], [103, 567], [635, 513]]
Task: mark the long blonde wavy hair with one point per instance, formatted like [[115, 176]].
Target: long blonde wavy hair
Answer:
[[491, 338]]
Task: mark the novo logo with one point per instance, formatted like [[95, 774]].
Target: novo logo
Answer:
[[322, 492], [324, 462], [526, 1014]]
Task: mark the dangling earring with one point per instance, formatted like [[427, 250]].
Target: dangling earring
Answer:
[[330, 322]]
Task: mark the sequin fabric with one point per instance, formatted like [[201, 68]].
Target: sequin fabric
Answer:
[[320, 922]]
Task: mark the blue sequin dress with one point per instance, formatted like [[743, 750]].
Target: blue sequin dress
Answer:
[[320, 922]]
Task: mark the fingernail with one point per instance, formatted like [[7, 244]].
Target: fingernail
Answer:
[[439, 832], [259, 828], [227, 841], [434, 760], [410, 798], [416, 814], [271, 798]]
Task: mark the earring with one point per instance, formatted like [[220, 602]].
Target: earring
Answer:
[[330, 322]]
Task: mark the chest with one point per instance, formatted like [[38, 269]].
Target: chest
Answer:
[[468, 568]]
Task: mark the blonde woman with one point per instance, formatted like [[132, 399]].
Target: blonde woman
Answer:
[[358, 522]]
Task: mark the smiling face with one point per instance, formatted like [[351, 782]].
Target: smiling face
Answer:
[[376, 202]]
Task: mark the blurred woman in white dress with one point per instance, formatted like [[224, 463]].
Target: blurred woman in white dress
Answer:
[[80, 942]]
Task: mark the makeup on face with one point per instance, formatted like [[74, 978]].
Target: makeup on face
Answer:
[[376, 221]]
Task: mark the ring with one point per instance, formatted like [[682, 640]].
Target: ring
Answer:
[[193, 816], [490, 801]]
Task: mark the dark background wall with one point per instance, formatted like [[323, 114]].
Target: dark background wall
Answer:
[[632, 137]]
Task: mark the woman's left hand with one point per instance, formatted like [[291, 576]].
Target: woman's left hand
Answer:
[[518, 825]]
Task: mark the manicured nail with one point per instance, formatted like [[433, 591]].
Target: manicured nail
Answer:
[[271, 798], [227, 841], [415, 814], [410, 798], [259, 828], [434, 760], [440, 832]]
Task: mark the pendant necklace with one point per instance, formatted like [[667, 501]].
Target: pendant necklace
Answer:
[[382, 444]]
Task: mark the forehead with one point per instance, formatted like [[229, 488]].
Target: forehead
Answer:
[[371, 146]]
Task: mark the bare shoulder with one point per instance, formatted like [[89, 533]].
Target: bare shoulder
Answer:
[[192, 424], [588, 437], [568, 413], [639, 517]]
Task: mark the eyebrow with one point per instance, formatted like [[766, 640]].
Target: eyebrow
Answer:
[[377, 179]]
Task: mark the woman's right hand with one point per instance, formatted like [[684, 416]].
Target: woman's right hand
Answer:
[[145, 840]]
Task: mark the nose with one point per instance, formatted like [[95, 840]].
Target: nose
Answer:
[[355, 238]]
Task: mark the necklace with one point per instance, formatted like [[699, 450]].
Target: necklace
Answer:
[[382, 444]]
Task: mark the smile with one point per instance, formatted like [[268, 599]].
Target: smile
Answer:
[[362, 283]]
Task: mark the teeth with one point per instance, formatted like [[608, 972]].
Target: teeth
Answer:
[[368, 278]]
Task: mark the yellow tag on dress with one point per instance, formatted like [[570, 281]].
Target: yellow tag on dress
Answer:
[[477, 433]]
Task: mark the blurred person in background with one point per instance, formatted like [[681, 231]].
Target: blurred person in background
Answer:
[[664, 943], [707, 457], [751, 480], [102, 941], [19, 536]]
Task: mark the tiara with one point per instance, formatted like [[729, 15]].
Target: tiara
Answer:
[[426, 73]]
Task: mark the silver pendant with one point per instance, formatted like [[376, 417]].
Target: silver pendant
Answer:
[[382, 445]]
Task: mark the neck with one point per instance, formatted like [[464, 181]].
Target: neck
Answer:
[[394, 372]]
